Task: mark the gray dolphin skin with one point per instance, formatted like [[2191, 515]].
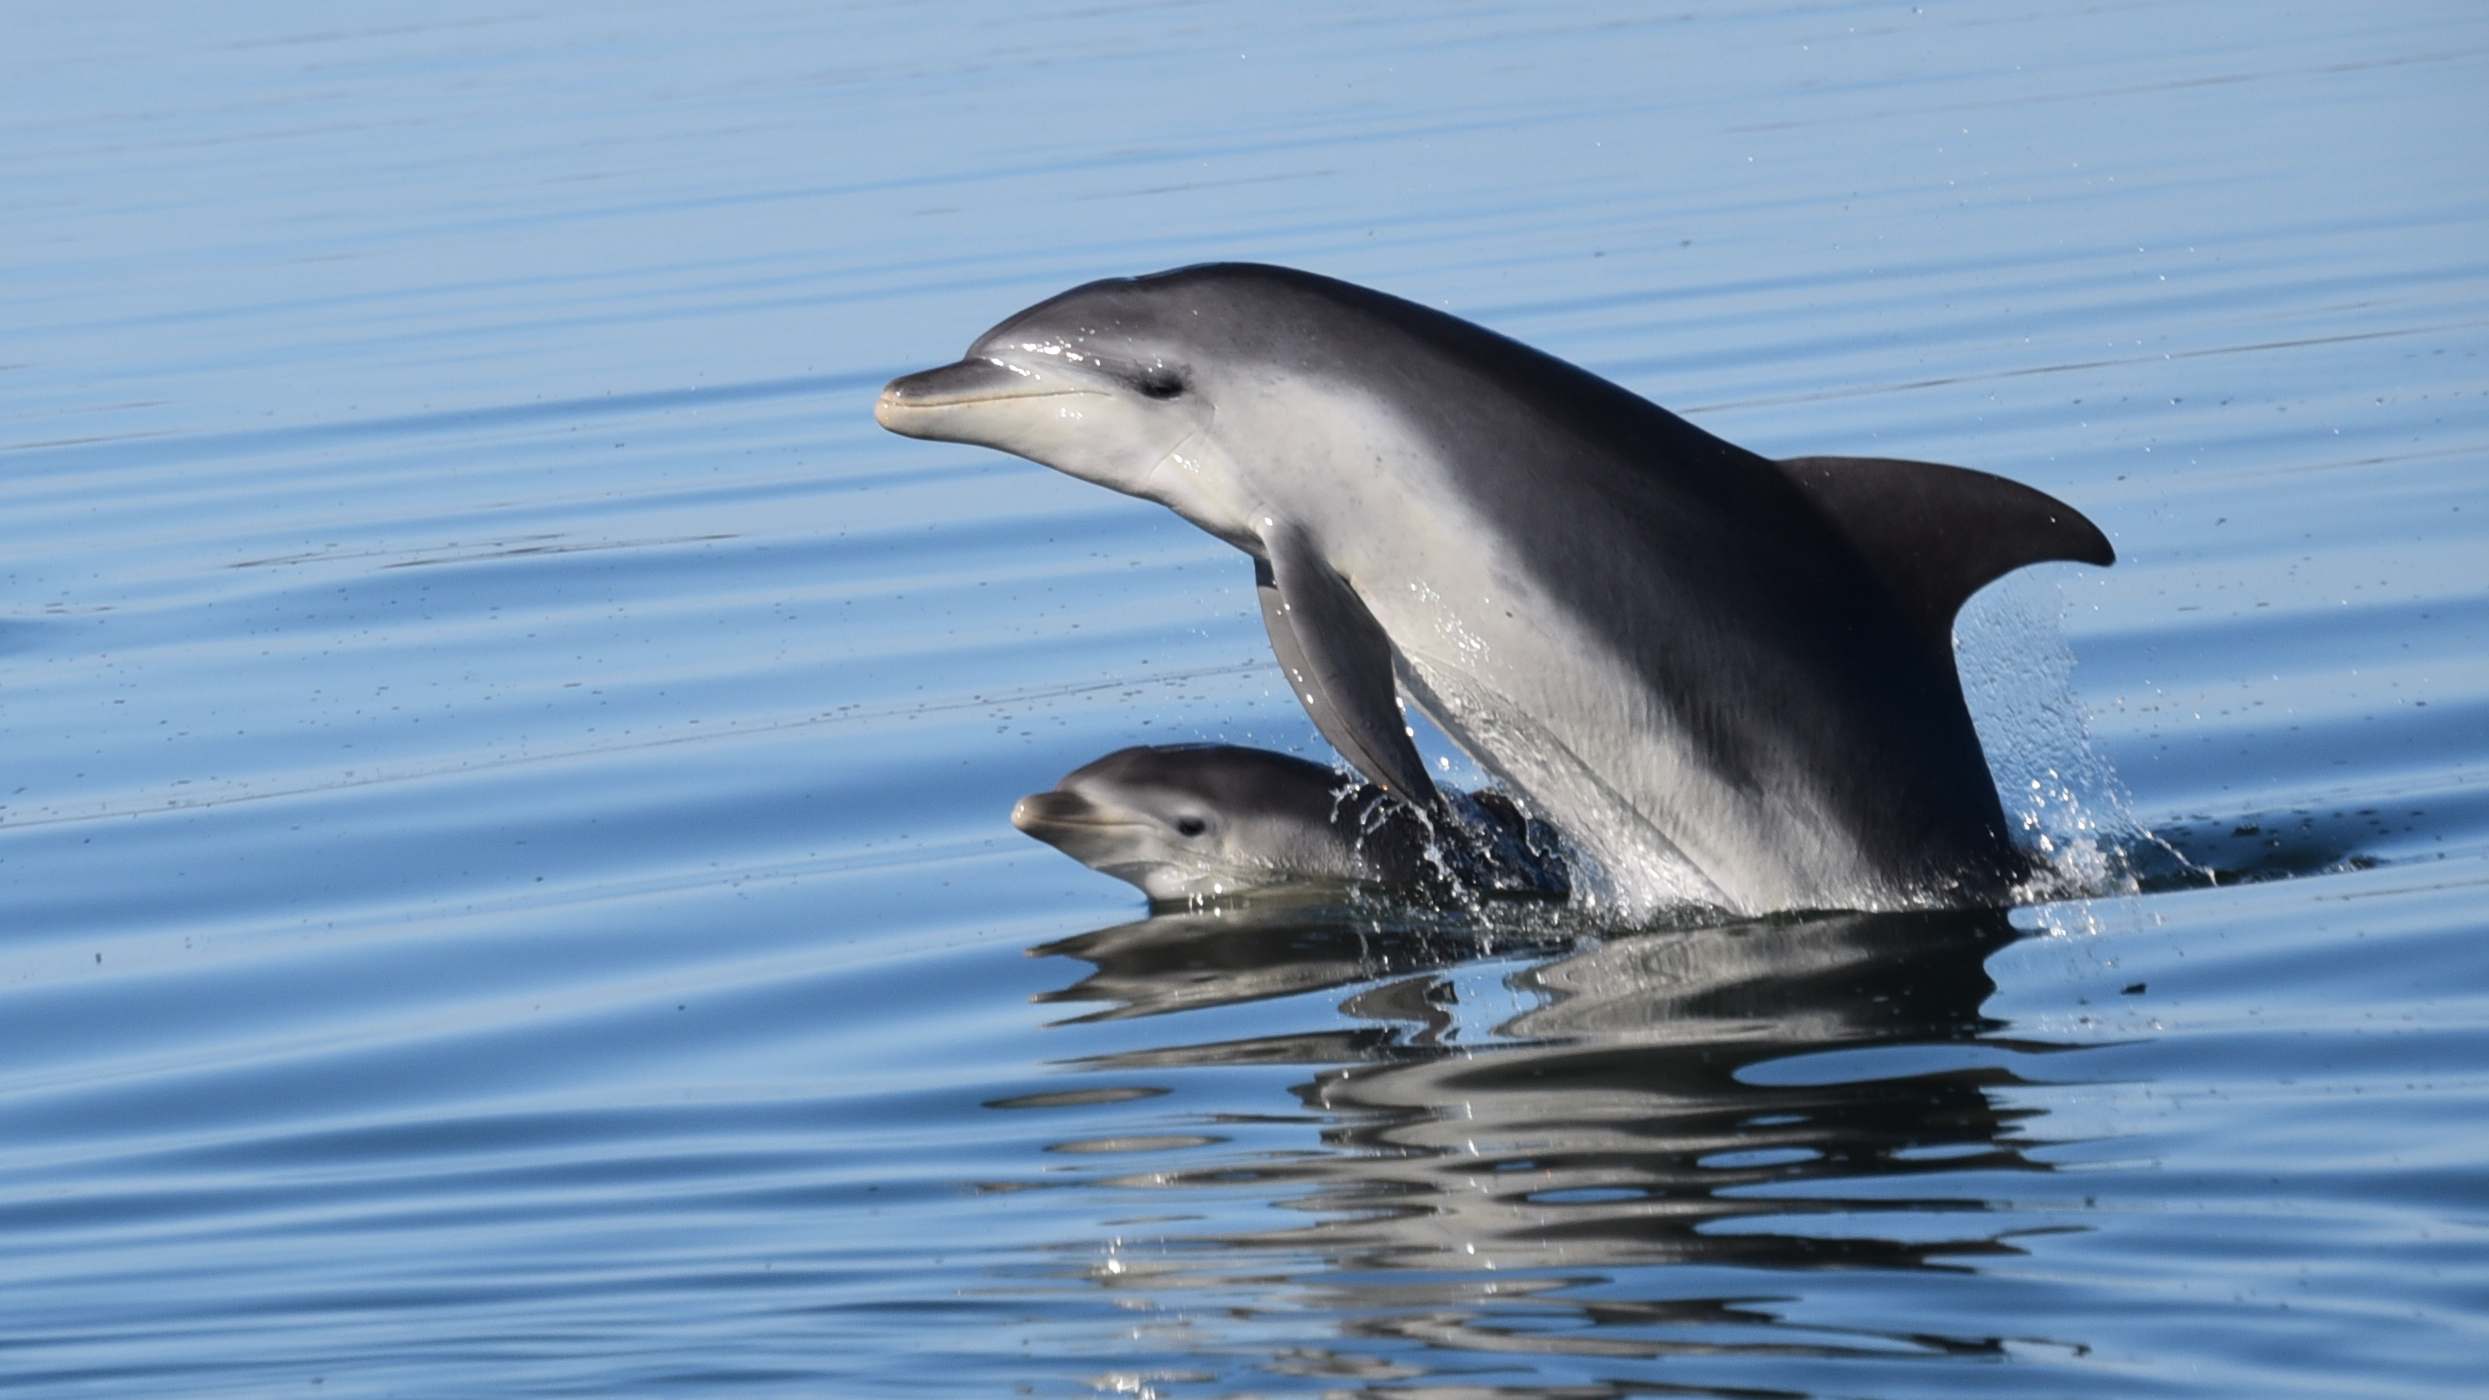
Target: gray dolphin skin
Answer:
[[1188, 821], [1728, 679]]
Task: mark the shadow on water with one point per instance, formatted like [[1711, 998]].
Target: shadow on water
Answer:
[[2198, 850], [1518, 1187]]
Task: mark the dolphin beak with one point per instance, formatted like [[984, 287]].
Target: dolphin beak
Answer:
[[918, 405], [1040, 812]]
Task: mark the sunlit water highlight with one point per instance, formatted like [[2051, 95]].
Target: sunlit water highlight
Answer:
[[504, 882]]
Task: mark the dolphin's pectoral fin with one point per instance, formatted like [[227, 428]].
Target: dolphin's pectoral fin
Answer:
[[1937, 534], [1338, 661]]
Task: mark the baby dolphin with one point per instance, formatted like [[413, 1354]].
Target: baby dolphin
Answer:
[[1187, 820], [1730, 680]]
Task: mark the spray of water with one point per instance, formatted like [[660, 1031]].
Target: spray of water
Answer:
[[2068, 809]]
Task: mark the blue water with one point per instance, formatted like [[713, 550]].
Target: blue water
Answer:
[[504, 880]]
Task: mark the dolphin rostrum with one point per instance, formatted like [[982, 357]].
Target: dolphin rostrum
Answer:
[[1193, 820], [1728, 679]]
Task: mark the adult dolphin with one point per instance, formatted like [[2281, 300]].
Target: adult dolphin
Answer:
[[1729, 679]]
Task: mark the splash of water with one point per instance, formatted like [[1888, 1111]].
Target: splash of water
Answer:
[[2066, 806]]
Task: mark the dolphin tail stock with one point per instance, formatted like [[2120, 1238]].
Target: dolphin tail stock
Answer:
[[1338, 660], [1936, 534]]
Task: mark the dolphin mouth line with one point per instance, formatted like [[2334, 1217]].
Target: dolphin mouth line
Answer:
[[1031, 816], [971, 382], [891, 400], [1080, 821]]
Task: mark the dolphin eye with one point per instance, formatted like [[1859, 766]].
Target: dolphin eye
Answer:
[[1192, 826], [1161, 382]]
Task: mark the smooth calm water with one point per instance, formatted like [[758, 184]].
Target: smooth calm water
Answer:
[[504, 887]]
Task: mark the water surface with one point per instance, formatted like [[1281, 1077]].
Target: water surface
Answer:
[[504, 881]]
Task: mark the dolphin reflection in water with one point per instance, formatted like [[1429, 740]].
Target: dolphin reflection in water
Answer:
[[1651, 1102]]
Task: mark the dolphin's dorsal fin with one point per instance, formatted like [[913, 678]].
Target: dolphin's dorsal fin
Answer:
[[1338, 660], [1937, 534]]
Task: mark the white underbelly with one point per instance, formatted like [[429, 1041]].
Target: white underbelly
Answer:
[[1541, 702]]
